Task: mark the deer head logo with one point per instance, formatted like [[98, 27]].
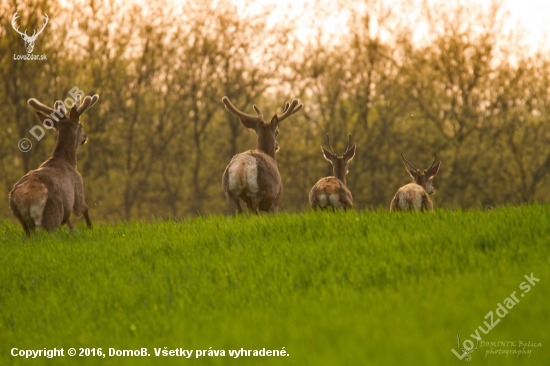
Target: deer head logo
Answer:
[[467, 350], [29, 40]]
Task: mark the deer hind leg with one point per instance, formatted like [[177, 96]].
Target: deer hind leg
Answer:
[[69, 225], [313, 198], [234, 200], [394, 205], [346, 201], [28, 228], [274, 207], [427, 204], [346, 206], [52, 216], [231, 197], [87, 218], [27, 204], [252, 203]]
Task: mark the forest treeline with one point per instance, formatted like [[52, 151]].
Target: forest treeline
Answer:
[[449, 78]]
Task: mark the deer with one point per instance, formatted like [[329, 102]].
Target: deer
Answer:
[[46, 197], [253, 176], [29, 40], [331, 192], [416, 195]]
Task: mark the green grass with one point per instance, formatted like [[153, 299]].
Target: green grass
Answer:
[[368, 288]]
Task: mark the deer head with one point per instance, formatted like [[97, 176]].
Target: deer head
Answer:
[[423, 177], [69, 128], [267, 132], [29, 40], [339, 164]]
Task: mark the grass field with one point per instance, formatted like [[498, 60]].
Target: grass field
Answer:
[[356, 288]]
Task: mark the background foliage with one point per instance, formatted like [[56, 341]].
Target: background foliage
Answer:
[[446, 77]]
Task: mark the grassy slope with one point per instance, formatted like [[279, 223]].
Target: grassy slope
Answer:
[[333, 289]]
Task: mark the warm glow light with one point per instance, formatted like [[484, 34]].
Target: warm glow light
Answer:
[[531, 15], [534, 16]]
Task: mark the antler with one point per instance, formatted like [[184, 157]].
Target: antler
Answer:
[[330, 147], [458, 343], [60, 107], [34, 103], [477, 344], [407, 162], [243, 116], [289, 110], [435, 158], [349, 143], [13, 19], [34, 35], [87, 103]]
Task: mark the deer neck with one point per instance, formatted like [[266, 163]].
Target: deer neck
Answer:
[[266, 144], [339, 171], [66, 146], [425, 182]]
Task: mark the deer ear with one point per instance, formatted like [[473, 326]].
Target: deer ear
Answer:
[[47, 121], [350, 154], [249, 124], [274, 122], [433, 170], [328, 155]]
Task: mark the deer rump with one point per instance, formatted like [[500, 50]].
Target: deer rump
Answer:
[[37, 198], [409, 197], [330, 192], [253, 175]]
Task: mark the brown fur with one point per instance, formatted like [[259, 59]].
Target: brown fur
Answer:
[[325, 188], [270, 192], [331, 192], [416, 195], [46, 197], [256, 177]]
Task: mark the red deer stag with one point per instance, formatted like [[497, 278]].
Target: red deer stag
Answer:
[[416, 195], [331, 192], [253, 176], [46, 197]]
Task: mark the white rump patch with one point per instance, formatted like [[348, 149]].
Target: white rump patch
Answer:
[[243, 175], [37, 209], [323, 201], [334, 200]]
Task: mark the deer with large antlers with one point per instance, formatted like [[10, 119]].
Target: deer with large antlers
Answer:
[[46, 197], [416, 195], [331, 192], [253, 176], [29, 40]]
